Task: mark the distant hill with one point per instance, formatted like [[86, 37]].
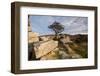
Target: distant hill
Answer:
[[77, 37]]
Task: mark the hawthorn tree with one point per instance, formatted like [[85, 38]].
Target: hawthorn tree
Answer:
[[57, 28]]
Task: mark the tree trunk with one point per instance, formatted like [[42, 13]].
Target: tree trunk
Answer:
[[56, 36]]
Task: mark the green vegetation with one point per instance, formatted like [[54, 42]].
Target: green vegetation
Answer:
[[80, 49]]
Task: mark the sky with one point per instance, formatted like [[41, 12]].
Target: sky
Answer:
[[72, 24]]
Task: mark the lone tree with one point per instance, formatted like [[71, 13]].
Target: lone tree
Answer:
[[57, 28]]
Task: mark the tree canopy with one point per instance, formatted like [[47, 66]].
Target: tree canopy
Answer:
[[57, 27]]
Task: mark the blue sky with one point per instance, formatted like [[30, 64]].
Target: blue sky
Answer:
[[72, 24]]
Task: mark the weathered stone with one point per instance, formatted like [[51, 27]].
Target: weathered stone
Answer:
[[64, 55], [29, 29], [33, 37], [66, 40], [44, 38], [51, 56], [33, 40], [43, 48], [33, 34], [76, 56]]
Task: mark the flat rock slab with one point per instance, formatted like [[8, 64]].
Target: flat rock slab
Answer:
[[44, 48]]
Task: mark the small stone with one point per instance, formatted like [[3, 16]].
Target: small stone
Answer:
[[76, 56]]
